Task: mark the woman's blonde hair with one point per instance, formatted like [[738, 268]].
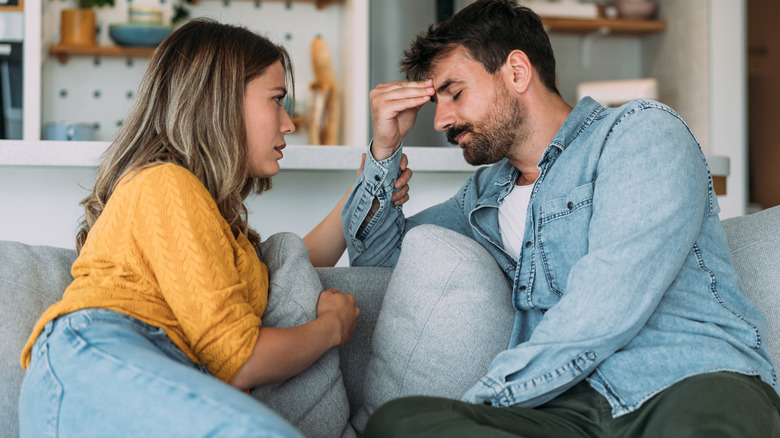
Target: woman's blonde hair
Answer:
[[190, 111]]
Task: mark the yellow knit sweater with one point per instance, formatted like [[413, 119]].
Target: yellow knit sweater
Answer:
[[162, 252]]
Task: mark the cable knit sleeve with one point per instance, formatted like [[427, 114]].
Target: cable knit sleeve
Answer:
[[197, 263]]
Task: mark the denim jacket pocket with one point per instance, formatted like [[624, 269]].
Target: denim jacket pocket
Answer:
[[563, 234]]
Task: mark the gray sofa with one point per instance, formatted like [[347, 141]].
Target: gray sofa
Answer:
[[377, 364]]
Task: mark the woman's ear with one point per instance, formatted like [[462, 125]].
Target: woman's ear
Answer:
[[518, 70]]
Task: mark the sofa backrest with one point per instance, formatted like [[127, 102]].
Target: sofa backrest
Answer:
[[33, 277], [754, 241]]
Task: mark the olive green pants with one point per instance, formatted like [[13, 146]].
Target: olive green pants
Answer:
[[708, 406]]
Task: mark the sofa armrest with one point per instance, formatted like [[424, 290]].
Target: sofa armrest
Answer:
[[32, 278], [754, 241]]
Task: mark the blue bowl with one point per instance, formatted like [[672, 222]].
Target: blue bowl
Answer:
[[138, 34]]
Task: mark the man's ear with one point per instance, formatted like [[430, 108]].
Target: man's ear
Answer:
[[518, 71]]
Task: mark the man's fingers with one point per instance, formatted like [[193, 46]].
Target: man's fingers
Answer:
[[399, 105], [403, 92], [404, 85]]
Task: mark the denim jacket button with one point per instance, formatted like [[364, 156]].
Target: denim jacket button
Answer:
[[378, 178], [528, 244], [487, 403], [570, 205], [521, 289]]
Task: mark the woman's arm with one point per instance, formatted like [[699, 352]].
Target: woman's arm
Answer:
[[280, 353], [326, 241]]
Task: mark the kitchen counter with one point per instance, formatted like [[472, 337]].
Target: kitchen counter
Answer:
[[296, 157]]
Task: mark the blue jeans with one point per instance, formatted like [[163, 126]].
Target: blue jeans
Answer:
[[97, 372]]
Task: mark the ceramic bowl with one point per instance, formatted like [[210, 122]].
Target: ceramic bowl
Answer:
[[138, 34], [141, 14], [636, 9]]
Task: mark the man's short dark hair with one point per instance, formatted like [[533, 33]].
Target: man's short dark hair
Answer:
[[489, 30]]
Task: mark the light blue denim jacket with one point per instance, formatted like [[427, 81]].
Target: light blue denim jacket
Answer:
[[625, 279]]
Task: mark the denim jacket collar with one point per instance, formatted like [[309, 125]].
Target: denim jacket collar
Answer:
[[578, 121]]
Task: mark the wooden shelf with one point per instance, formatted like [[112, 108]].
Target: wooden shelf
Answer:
[[63, 51], [610, 26], [15, 8], [320, 3]]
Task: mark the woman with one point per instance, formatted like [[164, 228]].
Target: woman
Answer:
[[168, 290]]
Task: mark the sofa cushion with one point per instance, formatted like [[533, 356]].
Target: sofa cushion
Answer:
[[446, 313], [315, 400], [32, 278], [754, 241]]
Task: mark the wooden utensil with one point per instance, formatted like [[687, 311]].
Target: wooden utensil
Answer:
[[326, 104]]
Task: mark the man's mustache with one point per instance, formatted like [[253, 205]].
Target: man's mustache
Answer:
[[455, 131]]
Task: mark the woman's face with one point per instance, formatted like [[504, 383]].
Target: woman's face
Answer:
[[267, 122]]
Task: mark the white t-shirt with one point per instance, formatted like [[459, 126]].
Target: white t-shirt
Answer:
[[511, 218]]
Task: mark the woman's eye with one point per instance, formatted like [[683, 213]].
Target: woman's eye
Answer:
[[457, 95]]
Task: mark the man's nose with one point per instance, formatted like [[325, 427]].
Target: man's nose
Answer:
[[444, 117]]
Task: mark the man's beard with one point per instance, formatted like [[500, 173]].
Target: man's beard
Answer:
[[492, 139]]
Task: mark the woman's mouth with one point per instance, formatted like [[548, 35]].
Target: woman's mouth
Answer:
[[279, 149]]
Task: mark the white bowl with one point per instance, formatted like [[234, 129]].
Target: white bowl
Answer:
[[636, 9], [141, 14]]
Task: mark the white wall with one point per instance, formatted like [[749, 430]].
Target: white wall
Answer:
[[728, 101]]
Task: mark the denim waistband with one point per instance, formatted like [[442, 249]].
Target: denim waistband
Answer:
[[86, 317]]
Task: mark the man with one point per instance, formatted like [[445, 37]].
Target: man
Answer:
[[630, 316]]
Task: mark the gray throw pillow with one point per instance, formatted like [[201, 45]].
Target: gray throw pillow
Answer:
[[446, 313], [314, 401]]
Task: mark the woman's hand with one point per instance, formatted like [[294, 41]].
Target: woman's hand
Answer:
[[340, 310], [282, 352], [401, 193]]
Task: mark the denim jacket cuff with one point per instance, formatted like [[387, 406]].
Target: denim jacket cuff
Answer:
[[379, 175]]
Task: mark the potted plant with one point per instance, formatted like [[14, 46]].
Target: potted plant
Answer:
[[78, 25]]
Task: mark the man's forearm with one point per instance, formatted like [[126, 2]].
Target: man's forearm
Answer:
[[370, 215]]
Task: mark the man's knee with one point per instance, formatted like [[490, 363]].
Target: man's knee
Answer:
[[717, 404], [402, 417]]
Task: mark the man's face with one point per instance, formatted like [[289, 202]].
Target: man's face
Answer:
[[475, 108]]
